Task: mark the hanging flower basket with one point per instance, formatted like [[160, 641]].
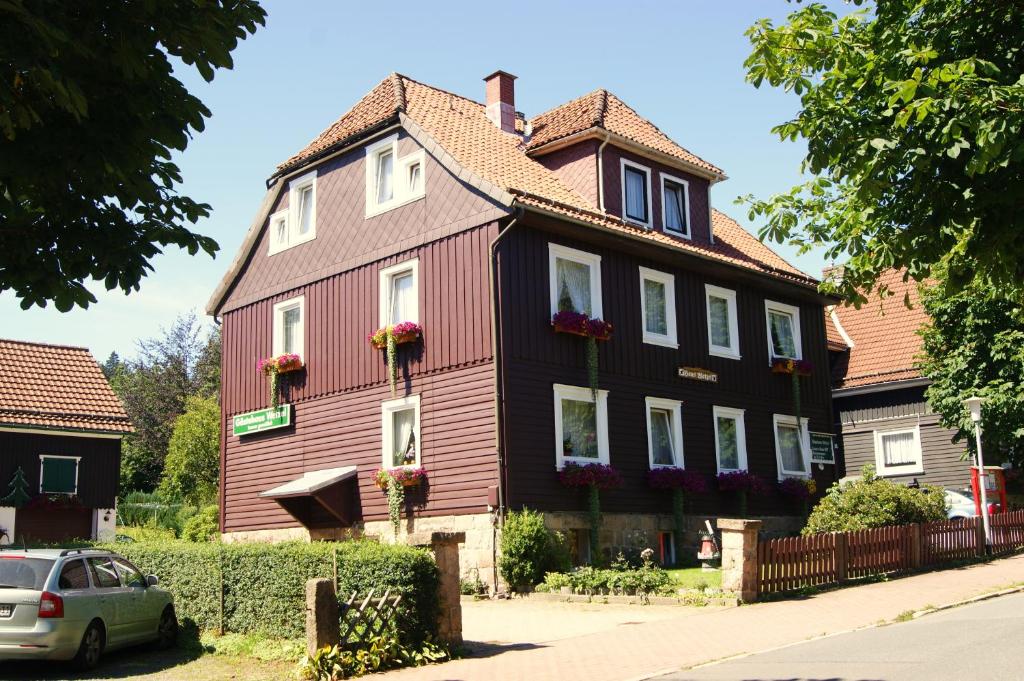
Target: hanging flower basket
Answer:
[[403, 332], [798, 488], [282, 364], [599, 475], [579, 324], [404, 476], [677, 478], [800, 367]]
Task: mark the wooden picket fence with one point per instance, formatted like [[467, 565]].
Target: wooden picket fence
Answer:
[[361, 621], [791, 563]]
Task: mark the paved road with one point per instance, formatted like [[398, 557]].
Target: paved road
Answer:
[[980, 641]]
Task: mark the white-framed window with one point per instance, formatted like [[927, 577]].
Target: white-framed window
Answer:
[[792, 447], [575, 281], [675, 205], [658, 307], [392, 181], [400, 430], [730, 439], [58, 474], [295, 224], [581, 425], [399, 293], [723, 324], [783, 330], [636, 193], [898, 452], [664, 432], [290, 327]]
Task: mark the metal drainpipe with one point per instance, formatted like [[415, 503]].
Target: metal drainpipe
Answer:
[[499, 384], [600, 173]]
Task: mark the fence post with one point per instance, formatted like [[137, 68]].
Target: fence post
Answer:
[[980, 537], [739, 556], [445, 546], [916, 559], [842, 557], [323, 623]]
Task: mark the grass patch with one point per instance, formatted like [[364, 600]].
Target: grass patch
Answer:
[[139, 533], [255, 646], [696, 578], [905, 616]]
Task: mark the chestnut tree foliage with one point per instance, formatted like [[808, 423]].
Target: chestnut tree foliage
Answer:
[[912, 112], [90, 115]]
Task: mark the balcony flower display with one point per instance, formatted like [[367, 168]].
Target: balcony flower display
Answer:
[[743, 484], [680, 482], [389, 338], [273, 367], [593, 329], [393, 482], [595, 477], [800, 489]]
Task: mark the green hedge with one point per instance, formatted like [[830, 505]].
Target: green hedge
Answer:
[[264, 584]]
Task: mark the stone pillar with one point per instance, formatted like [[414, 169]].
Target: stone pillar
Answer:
[[739, 556], [445, 546], [323, 623]]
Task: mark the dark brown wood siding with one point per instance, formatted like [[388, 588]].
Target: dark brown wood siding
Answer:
[[536, 358], [338, 396], [98, 470]]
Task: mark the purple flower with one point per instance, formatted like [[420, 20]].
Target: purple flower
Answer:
[[677, 478], [599, 475]]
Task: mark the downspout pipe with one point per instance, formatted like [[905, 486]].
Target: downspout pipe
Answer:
[[600, 173], [499, 373]]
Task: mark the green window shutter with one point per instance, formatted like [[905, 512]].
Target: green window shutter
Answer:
[[59, 475]]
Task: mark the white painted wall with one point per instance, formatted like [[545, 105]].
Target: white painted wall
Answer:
[[7, 524], [104, 524]]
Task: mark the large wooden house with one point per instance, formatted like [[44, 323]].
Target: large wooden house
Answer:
[[479, 225]]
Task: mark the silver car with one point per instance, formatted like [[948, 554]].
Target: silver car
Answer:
[[72, 604]]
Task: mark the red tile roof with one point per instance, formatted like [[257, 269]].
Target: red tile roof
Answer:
[[463, 131], [884, 335], [56, 387]]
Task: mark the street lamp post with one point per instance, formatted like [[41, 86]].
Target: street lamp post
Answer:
[[974, 405]]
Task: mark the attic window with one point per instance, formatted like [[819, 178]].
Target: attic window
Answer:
[[295, 224], [675, 205], [392, 181], [636, 193]]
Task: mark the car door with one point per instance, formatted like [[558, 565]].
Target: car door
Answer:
[[80, 601], [112, 597], [141, 612]]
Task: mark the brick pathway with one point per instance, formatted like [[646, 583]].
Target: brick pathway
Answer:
[[629, 650]]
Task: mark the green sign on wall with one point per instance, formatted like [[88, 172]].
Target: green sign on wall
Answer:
[[822, 448], [264, 419]]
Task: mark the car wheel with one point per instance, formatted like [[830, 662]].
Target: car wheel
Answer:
[[91, 647], [167, 631]]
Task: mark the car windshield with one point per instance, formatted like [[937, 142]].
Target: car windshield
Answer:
[[19, 572]]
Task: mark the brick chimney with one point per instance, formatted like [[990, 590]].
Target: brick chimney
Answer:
[[501, 100]]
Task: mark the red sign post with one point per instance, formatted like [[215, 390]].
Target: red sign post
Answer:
[[995, 489]]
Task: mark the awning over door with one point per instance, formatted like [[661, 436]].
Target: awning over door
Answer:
[[323, 498]]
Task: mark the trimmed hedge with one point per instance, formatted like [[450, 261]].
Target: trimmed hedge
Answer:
[[264, 584]]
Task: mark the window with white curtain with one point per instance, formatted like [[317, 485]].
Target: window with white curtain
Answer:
[[575, 281], [636, 193], [792, 446], [289, 327], [675, 205], [658, 307], [295, 224], [664, 432], [730, 439], [392, 180], [581, 425], [723, 325], [898, 452], [399, 293], [783, 330], [400, 430]]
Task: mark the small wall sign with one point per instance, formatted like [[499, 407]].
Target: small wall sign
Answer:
[[264, 419], [823, 448], [698, 374]]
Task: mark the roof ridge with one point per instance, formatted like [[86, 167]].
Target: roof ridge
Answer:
[[602, 108], [661, 132], [438, 89], [398, 87], [46, 345]]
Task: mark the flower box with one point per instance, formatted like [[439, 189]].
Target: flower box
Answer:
[[405, 476], [403, 332], [800, 367], [282, 364], [579, 324]]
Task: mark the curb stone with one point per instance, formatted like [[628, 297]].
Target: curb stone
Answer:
[[968, 601]]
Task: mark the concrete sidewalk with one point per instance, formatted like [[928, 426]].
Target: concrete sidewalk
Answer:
[[644, 649]]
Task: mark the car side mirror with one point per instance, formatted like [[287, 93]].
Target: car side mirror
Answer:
[[152, 580]]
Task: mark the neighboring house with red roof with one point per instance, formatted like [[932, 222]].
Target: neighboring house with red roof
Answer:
[[60, 444], [480, 224], [880, 406]]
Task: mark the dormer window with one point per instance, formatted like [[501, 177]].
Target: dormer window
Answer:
[[675, 205], [391, 180], [636, 193], [783, 331], [295, 224]]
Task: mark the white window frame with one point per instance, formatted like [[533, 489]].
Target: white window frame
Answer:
[[272, 245], [805, 445], [623, 164], [573, 392], [387, 412], [775, 306], [401, 194], [669, 340], [674, 407], [741, 437], [882, 469], [278, 324], [387, 274], [592, 260], [78, 465], [686, 205], [733, 351], [294, 188]]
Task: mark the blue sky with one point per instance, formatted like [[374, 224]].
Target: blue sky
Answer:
[[682, 68]]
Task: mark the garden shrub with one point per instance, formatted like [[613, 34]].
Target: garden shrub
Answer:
[[875, 502], [620, 578], [529, 549], [203, 526], [264, 584]]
